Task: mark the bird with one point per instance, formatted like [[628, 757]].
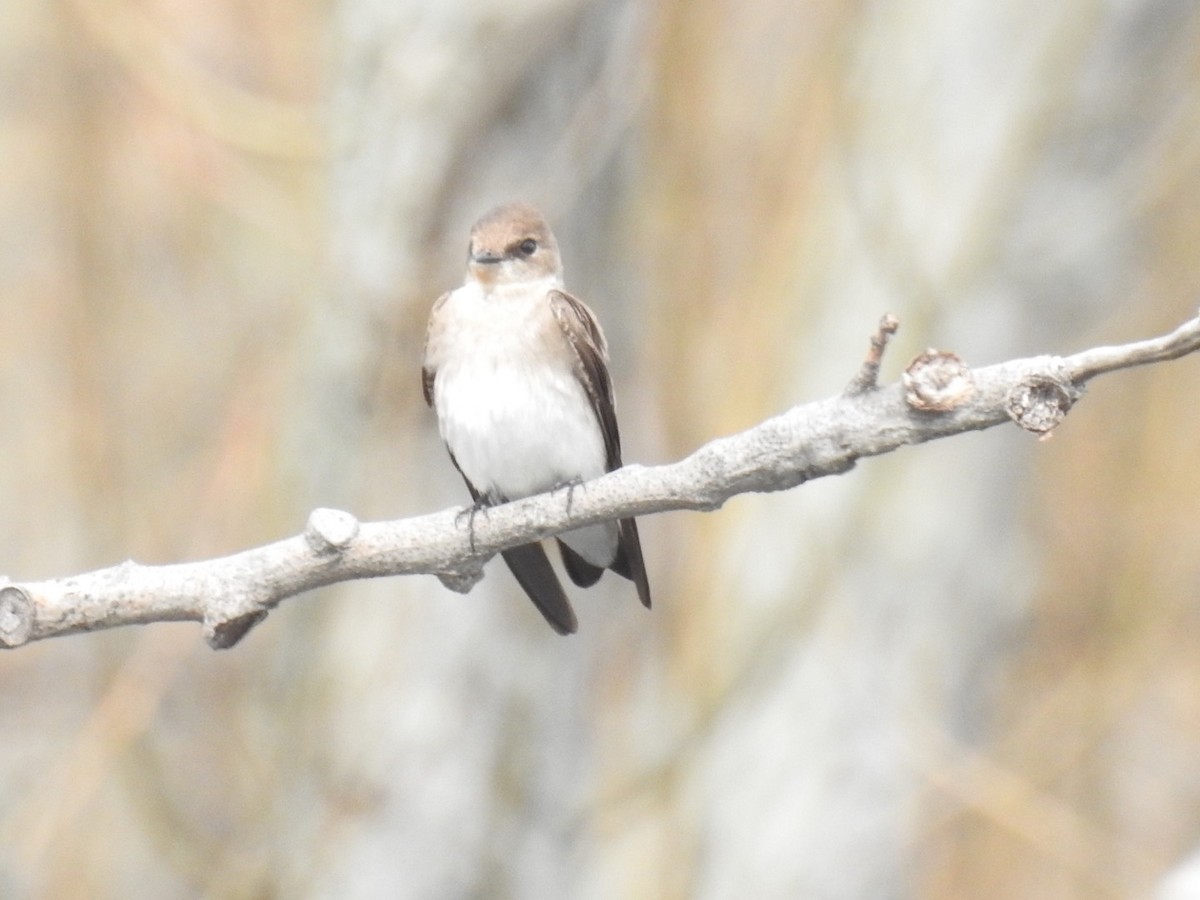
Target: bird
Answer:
[[516, 370]]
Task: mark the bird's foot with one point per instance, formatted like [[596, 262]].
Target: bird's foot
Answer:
[[469, 513], [570, 486]]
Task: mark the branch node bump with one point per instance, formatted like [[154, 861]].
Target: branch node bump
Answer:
[[224, 634], [867, 378], [16, 616], [1038, 403], [330, 530], [461, 579], [937, 381]]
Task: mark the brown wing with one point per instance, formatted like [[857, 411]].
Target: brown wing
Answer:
[[629, 562], [531, 567], [583, 334], [428, 373]]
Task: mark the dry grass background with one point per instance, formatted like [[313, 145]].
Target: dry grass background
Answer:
[[966, 670]]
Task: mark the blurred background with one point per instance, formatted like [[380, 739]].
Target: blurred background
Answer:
[[967, 669]]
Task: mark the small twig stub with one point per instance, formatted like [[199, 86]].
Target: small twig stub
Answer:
[[867, 378]]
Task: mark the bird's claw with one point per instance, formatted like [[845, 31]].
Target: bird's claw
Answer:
[[469, 513], [571, 485]]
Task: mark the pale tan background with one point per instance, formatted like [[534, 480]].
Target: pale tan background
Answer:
[[969, 669]]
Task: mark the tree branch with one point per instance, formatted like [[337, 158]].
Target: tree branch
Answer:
[[938, 396]]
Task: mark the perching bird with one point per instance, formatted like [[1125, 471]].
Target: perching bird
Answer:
[[517, 371]]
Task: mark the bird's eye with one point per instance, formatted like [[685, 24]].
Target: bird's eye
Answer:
[[527, 246]]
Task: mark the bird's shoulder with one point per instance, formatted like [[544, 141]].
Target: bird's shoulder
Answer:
[[578, 323], [428, 363]]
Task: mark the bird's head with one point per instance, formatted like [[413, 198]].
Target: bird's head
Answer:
[[512, 244]]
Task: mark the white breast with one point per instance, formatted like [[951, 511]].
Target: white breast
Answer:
[[515, 417], [513, 414]]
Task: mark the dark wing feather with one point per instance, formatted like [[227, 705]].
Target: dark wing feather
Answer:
[[629, 561], [586, 340], [428, 374], [582, 572], [583, 334], [531, 567]]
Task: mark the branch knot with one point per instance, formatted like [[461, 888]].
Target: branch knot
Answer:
[[1039, 402], [937, 381], [16, 616], [330, 530]]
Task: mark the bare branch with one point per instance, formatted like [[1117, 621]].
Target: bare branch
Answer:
[[1183, 340], [940, 397]]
